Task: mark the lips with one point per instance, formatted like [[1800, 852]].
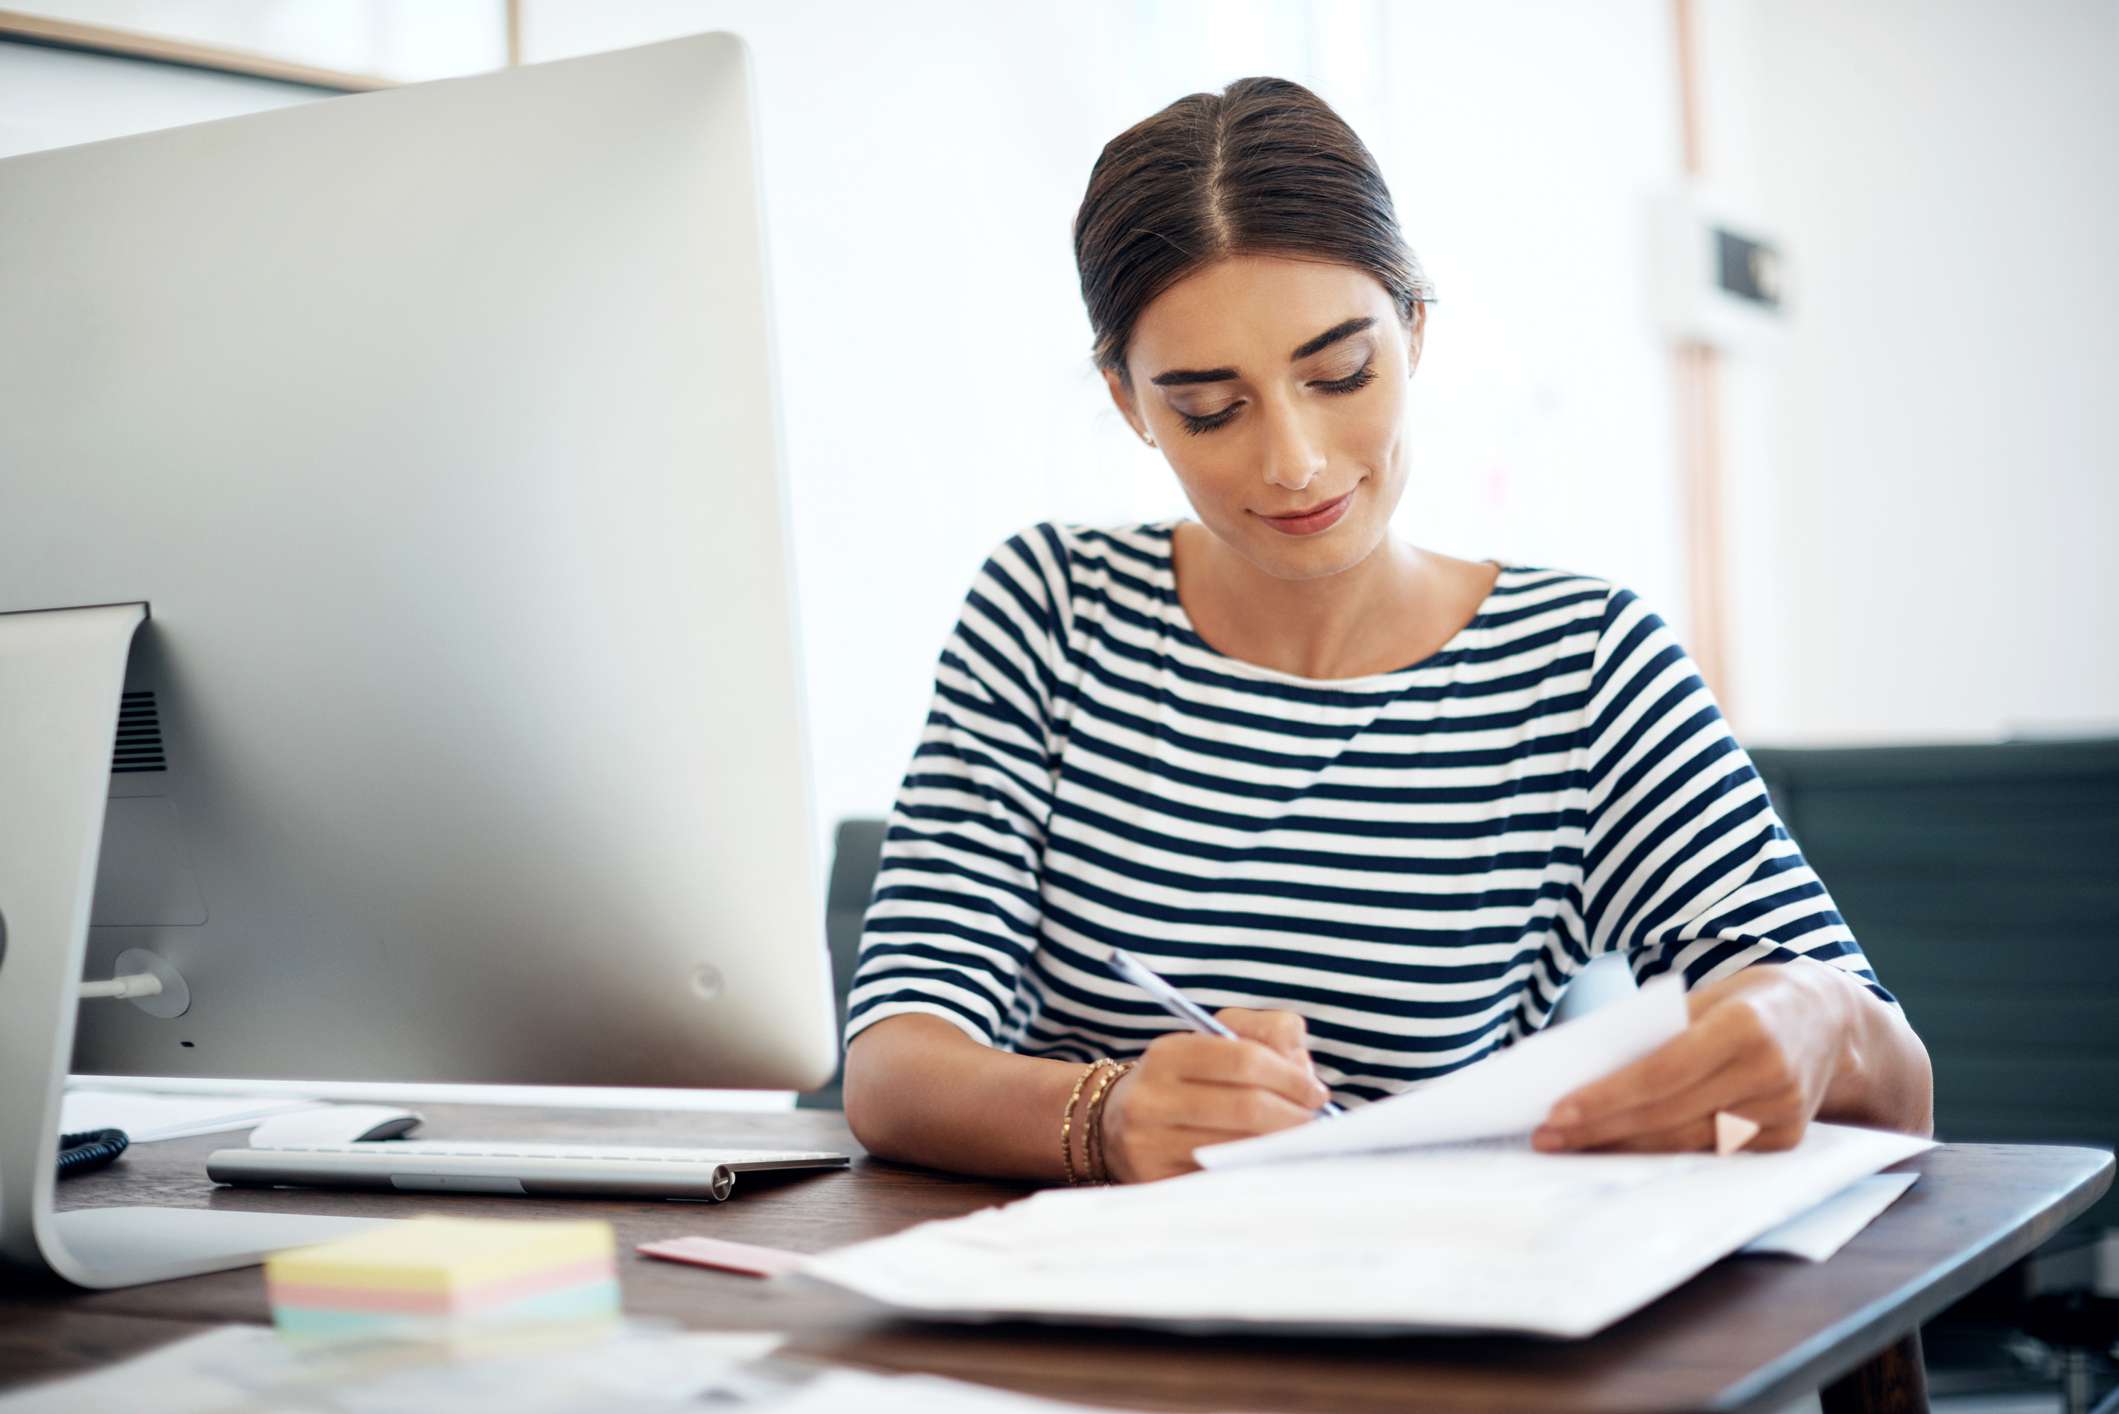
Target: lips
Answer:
[[1320, 517]]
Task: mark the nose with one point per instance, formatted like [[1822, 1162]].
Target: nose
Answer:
[[1293, 457]]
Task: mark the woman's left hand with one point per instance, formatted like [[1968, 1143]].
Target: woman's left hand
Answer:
[[1764, 1043]]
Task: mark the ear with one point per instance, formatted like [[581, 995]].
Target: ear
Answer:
[[1415, 335], [1122, 398]]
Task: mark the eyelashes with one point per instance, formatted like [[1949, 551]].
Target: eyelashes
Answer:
[[1352, 383], [1360, 378]]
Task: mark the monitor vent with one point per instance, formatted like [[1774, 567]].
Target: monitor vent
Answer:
[[139, 745]]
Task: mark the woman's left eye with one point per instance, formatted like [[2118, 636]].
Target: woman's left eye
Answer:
[[1358, 379]]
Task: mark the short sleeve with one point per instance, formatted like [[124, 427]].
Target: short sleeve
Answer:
[[955, 911], [1686, 865]]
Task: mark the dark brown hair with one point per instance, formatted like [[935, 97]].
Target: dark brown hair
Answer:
[[1265, 167]]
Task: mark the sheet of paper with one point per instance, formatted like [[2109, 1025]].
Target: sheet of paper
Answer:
[[1477, 1236], [1824, 1229], [633, 1367], [844, 1390], [1508, 1092], [147, 1115]]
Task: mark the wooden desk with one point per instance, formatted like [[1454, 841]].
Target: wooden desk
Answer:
[[1749, 1333]]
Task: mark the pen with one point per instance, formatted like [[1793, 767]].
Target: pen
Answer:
[[1131, 969]]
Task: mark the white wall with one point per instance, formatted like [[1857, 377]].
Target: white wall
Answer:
[[1525, 144], [55, 98], [1927, 472], [405, 40]]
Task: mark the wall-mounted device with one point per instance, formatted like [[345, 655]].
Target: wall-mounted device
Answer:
[[1719, 278]]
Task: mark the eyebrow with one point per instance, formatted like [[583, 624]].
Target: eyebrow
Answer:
[[1179, 376]]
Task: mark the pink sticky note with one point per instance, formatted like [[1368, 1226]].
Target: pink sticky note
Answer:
[[724, 1256]]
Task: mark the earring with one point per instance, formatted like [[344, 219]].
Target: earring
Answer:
[[1148, 437]]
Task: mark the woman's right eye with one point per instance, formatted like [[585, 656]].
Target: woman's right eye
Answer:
[[1208, 422]]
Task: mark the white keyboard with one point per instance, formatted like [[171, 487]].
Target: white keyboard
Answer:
[[503, 1166]]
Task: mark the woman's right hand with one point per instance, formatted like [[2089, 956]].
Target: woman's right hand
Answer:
[[1190, 1089]]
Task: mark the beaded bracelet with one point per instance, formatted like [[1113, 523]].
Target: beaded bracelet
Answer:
[[1067, 1119], [1093, 1125]]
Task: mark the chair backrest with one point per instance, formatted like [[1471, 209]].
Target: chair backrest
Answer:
[[857, 848], [1983, 883]]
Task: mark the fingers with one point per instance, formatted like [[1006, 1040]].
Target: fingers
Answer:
[[1191, 1089], [1698, 1134], [1671, 1068], [1668, 1099], [1209, 1114], [1720, 1090], [1219, 1061], [1282, 1031]]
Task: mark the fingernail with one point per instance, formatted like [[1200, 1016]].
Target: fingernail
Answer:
[[1566, 1114]]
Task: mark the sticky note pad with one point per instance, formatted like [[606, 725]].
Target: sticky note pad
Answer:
[[725, 1256], [412, 1277]]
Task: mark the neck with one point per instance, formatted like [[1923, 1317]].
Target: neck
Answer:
[[1348, 624]]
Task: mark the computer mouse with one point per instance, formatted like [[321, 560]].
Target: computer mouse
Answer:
[[333, 1124]]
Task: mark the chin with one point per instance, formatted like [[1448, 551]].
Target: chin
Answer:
[[1329, 552]]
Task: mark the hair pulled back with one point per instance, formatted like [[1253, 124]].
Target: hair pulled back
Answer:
[[1265, 167]]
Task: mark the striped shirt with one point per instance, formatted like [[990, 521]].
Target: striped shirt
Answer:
[[1415, 861]]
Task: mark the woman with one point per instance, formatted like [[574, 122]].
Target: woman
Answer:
[[1378, 803]]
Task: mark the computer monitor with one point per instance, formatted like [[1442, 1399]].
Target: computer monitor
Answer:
[[429, 437]]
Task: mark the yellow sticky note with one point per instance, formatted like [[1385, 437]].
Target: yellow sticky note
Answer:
[[439, 1254]]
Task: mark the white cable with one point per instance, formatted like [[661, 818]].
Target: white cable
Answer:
[[139, 984]]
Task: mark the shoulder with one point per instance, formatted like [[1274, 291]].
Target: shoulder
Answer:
[[1586, 623], [1563, 607], [1065, 562], [1533, 592]]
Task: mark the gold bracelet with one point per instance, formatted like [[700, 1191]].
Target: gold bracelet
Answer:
[[1067, 1120], [1093, 1125]]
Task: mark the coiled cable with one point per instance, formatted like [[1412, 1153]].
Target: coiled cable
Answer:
[[89, 1150]]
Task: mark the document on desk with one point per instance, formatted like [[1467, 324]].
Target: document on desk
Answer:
[[1436, 1217]]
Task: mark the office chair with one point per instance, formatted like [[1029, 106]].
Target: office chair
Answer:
[[1983, 883], [857, 849]]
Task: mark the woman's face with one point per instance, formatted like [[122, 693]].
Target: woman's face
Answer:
[[1277, 388]]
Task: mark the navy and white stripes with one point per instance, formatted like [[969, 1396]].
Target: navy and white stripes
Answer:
[[1415, 861]]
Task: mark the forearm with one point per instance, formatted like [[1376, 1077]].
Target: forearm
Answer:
[[920, 1091], [1883, 1079]]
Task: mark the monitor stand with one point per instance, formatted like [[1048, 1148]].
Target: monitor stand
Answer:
[[61, 672]]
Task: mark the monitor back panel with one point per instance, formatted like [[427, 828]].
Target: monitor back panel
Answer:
[[437, 427]]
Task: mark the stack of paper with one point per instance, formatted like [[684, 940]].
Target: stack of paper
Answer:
[[1427, 1212], [436, 1276], [1818, 1232]]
